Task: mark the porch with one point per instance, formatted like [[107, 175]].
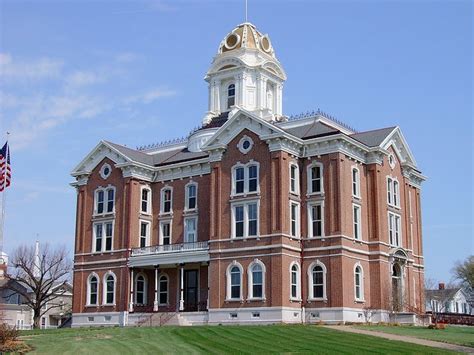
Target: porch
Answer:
[[169, 278]]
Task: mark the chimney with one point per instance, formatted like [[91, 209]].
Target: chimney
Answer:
[[441, 286]]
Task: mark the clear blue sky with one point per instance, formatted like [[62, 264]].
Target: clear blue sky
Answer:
[[76, 72]]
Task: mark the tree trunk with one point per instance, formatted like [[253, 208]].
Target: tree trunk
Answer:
[[36, 319]]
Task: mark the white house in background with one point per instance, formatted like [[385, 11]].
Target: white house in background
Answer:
[[448, 300]]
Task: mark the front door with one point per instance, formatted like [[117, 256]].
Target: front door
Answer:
[[190, 290]]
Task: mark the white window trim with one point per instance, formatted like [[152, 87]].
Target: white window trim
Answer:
[[145, 289], [391, 194], [148, 232], [240, 146], [297, 178], [167, 289], [149, 204], [186, 197], [310, 219], [227, 96], [298, 220], [397, 220], [246, 178], [246, 219], [359, 224], [310, 281], [102, 173], [161, 236], [250, 280], [195, 231], [104, 285], [162, 201], [356, 182], [298, 281], [94, 236], [310, 181], [362, 293], [228, 281], [91, 275], [96, 200]]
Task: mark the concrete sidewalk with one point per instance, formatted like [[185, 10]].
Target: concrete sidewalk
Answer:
[[407, 339]]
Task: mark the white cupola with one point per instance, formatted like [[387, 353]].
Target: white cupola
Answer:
[[245, 73]]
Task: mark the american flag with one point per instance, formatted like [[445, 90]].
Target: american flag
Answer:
[[5, 170]]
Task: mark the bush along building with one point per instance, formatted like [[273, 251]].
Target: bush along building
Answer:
[[254, 218]]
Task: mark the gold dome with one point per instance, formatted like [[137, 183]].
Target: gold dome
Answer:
[[246, 35]]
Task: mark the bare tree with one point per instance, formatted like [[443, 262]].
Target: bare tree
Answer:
[[41, 275], [464, 271]]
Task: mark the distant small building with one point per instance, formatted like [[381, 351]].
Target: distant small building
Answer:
[[448, 300]]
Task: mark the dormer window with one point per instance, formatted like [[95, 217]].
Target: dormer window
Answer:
[[230, 95]]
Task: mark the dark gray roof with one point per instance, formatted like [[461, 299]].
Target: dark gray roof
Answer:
[[159, 158], [373, 138], [445, 294], [312, 130]]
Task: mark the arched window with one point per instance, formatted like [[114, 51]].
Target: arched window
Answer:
[[104, 200], [230, 95], [317, 281], [359, 283], [256, 273], [295, 291], [397, 288], [234, 281], [92, 290], [163, 290], [140, 289], [109, 289]]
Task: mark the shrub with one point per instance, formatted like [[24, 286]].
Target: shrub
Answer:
[[7, 334]]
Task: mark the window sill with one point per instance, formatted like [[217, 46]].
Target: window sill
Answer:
[[146, 214], [108, 304], [359, 301], [91, 305], [295, 195], [256, 299], [315, 194], [241, 300], [102, 216], [296, 300], [190, 212], [317, 299], [166, 215]]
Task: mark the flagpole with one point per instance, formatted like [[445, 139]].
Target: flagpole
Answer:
[[4, 193]]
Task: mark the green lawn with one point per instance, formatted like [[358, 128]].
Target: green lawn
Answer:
[[215, 340], [452, 334]]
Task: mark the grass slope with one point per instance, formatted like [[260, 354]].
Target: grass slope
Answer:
[[452, 334], [213, 340]]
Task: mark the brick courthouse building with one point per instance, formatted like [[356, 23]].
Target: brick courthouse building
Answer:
[[254, 218]]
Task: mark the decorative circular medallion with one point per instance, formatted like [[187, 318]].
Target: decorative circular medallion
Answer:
[[232, 41], [265, 44], [105, 171], [245, 144]]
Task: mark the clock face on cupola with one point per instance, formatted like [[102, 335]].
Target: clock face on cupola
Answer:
[[245, 74]]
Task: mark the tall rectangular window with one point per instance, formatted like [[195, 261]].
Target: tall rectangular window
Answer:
[[396, 201], [144, 233], [190, 225], [355, 182], [239, 180], [316, 220], [253, 178], [357, 222], [191, 197], [394, 229], [166, 201], [294, 219], [252, 219], [110, 200], [315, 178], [100, 202], [165, 230], [145, 205], [245, 220], [108, 236], [98, 237], [389, 191], [294, 179], [239, 221]]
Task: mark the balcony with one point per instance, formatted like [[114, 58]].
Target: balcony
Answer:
[[170, 254]]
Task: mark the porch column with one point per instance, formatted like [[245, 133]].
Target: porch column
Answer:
[[181, 284], [155, 304], [130, 306]]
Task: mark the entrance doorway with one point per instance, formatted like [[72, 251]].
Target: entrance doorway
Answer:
[[190, 290], [397, 298]]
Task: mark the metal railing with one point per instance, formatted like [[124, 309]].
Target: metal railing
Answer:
[[170, 248]]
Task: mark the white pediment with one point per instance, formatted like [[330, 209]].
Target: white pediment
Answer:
[[397, 141], [240, 120], [101, 151]]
